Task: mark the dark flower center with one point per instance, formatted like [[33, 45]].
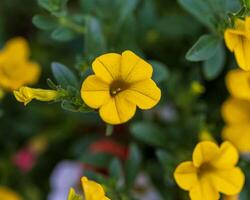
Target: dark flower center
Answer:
[[117, 86]]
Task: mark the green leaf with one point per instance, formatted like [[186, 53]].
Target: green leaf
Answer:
[[101, 160], [115, 169], [149, 133], [64, 76], [161, 72], [62, 34], [53, 5], [94, 39], [204, 48], [44, 22], [72, 107], [132, 165], [201, 10], [127, 9], [213, 66]]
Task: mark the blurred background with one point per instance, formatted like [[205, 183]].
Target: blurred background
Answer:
[[45, 147]]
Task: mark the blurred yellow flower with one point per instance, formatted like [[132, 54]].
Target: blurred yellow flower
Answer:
[[26, 94], [238, 41], [16, 69], [212, 171], [238, 84], [121, 82], [197, 87], [92, 191], [8, 194]]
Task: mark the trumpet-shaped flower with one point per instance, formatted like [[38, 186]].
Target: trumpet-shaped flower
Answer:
[[92, 191], [120, 83], [238, 41], [26, 94], [16, 69], [238, 84], [212, 171], [8, 194]]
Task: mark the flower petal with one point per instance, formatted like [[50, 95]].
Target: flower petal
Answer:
[[242, 53], [186, 175], [229, 182], [204, 191], [107, 67], [118, 110], [239, 136], [228, 156], [238, 84], [95, 92], [236, 111], [205, 152], [145, 94], [133, 68], [232, 39]]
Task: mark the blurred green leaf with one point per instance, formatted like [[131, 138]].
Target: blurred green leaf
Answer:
[[115, 169], [64, 76], [101, 160], [44, 22], [127, 9], [53, 5], [161, 72], [62, 34], [213, 66], [204, 48], [132, 165], [149, 133]]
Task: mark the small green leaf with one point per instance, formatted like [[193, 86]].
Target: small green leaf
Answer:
[[64, 76], [161, 72], [132, 165], [204, 48], [63, 34], [44, 22], [149, 133], [213, 66], [115, 169]]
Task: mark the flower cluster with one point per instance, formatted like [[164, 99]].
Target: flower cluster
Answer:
[[236, 110]]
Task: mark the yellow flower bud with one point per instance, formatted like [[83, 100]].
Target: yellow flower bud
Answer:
[[197, 88], [26, 94]]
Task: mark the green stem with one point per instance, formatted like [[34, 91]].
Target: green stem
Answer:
[[71, 25], [109, 130]]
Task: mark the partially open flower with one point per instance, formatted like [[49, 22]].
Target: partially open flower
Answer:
[[92, 191], [16, 69], [26, 94], [120, 83], [238, 41], [212, 171]]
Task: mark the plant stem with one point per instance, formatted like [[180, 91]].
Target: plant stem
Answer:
[[71, 25]]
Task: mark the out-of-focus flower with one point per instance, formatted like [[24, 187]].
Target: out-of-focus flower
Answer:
[[238, 84], [120, 83], [234, 197], [8, 194], [197, 88], [27, 94], [92, 191], [38, 144], [64, 176], [109, 146], [212, 171], [144, 190], [16, 69], [24, 159], [205, 135], [238, 41]]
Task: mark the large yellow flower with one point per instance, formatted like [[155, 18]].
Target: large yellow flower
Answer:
[[238, 84], [15, 68], [238, 41], [212, 171], [121, 82], [8, 194], [92, 191]]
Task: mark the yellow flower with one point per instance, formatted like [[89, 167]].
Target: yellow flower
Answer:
[[121, 82], [238, 41], [8, 194], [197, 88], [15, 68], [238, 84], [212, 171], [92, 191], [26, 94], [234, 197]]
